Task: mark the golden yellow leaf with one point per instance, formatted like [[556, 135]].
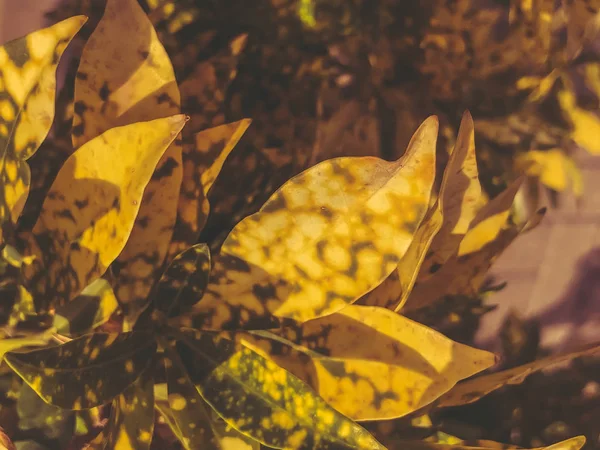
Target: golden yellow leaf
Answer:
[[442, 229], [323, 240], [489, 234], [472, 390], [125, 76], [28, 87], [554, 169], [202, 163], [370, 363], [90, 209], [575, 443], [460, 199]]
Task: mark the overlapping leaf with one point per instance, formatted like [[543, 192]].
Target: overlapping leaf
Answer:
[[264, 401], [184, 281], [85, 372], [476, 388], [464, 272], [91, 207], [202, 162], [125, 76], [575, 443], [131, 422], [27, 86], [323, 240], [442, 229], [90, 309], [371, 363]]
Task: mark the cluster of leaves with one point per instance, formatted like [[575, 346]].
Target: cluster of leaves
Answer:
[[285, 335], [323, 78]]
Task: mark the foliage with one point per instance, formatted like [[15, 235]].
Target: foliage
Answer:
[[284, 334]]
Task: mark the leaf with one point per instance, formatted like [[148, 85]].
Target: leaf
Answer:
[[90, 309], [91, 207], [553, 168], [202, 162], [575, 443], [370, 363], [472, 390], [9, 345], [28, 87], [188, 413], [464, 272], [459, 201], [324, 239], [131, 422], [184, 281], [85, 372], [264, 401], [125, 76]]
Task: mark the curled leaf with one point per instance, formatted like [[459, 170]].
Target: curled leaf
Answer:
[[89, 212], [323, 240], [85, 372]]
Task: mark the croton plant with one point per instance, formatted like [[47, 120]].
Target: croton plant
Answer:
[[289, 334]]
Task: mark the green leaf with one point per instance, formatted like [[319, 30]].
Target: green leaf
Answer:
[[324, 239], [85, 372], [131, 422], [188, 414], [264, 401], [370, 363], [184, 281], [472, 390], [90, 309], [28, 87], [91, 207]]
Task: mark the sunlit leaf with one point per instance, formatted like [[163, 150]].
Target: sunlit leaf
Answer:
[[8, 345], [90, 309], [327, 237], [472, 390], [371, 363], [554, 169], [184, 281], [264, 401], [203, 159], [91, 207], [28, 86], [131, 422], [85, 372], [459, 200], [464, 272], [125, 76]]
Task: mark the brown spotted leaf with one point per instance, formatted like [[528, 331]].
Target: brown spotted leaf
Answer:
[[89, 212], [323, 240], [188, 414], [370, 363], [125, 76], [131, 422], [202, 162], [264, 401], [28, 87], [472, 390], [184, 281], [91, 308], [488, 236], [86, 372]]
